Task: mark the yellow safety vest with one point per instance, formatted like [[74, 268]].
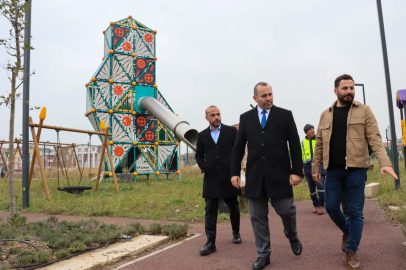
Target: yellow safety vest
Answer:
[[306, 151]]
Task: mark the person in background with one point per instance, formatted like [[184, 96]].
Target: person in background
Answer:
[[308, 145], [213, 155]]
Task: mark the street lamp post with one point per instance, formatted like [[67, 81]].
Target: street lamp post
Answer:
[[363, 90], [389, 95], [26, 108]]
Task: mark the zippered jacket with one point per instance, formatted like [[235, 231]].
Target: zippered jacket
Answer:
[[362, 128]]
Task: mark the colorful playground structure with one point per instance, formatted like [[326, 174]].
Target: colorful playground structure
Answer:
[[123, 93]]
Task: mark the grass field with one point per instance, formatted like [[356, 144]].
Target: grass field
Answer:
[[389, 196], [168, 199]]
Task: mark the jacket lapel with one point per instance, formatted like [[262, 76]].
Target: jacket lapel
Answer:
[[272, 114], [222, 131], [209, 137], [255, 117]]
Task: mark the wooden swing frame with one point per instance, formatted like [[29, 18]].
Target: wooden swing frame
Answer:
[[20, 141], [37, 154]]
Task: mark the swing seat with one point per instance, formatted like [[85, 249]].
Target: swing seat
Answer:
[[74, 190]]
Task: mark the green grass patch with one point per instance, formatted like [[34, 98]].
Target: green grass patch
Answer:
[[389, 196], [167, 199], [152, 199]]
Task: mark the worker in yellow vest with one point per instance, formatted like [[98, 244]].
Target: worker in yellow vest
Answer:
[[308, 145]]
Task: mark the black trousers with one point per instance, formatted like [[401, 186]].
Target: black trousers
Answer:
[[211, 216]]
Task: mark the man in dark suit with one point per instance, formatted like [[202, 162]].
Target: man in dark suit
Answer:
[[213, 155], [270, 174]]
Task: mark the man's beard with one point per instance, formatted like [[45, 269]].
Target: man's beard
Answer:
[[215, 124], [345, 101]]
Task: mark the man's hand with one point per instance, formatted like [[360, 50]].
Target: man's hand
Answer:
[[316, 177], [295, 179], [235, 180], [389, 170]]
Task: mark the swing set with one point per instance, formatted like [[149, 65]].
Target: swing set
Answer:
[[36, 154], [50, 144]]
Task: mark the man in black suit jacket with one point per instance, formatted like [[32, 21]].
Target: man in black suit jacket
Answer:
[[270, 174], [213, 155]]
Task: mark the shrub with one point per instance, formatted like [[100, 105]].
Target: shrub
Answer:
[[52, 220], [13, 250], [155, 227], [77, 246], [9, 233], [18, 220], [94, 223], [138, 227], [63, 242], [112, 235], [129, 231], [102, 239], [25, 257], [88, 241], [42, 256], [49, 236], [40, 224], [64, 223], [175, 231], [4, 266], [78, 236], [112, 227], [62, 253]]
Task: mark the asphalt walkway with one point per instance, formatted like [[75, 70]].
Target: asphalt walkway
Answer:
[[379, 248]]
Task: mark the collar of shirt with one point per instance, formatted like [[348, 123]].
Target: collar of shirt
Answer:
[[215, 134], [260, 113], [217, 130]]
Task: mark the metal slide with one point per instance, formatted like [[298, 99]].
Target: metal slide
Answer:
[[182, 130]]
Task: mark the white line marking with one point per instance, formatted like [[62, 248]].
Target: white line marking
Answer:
[[156, 252]]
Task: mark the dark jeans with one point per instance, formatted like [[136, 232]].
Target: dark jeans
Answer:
[[211, 216], [317, 197], [344, 204], [354, 184]]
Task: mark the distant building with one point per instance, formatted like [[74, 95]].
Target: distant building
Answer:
[[86, 156], [89, 155]]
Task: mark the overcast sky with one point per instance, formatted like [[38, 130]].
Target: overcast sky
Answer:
[[214, 52]]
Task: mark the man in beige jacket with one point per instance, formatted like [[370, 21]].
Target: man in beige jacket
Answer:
[[343, 134]]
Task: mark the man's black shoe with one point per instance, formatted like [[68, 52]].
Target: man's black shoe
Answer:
[[296, 246], [208, 248], [237, 238], [261, 262]]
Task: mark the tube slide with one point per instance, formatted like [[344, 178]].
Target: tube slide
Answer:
[[182, 130]]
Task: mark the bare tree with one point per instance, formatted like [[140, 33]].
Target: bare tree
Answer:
[[13, 11]]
